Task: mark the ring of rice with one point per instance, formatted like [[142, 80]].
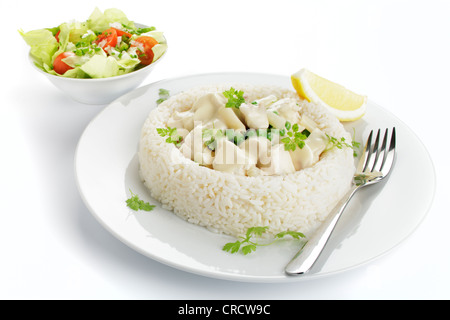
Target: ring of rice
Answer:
[[230, 204]]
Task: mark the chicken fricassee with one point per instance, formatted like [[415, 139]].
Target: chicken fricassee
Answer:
[[269, 136]]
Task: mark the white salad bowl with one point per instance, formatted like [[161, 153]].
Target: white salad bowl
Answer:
[[102, 90]]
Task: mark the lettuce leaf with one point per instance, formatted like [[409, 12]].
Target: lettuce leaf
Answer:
[[64, 34], [99, 21], [100, 66], [127, 65], [158, 51], [155, 34], [43, 46], [75, 73]]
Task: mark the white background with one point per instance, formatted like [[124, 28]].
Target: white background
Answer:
[[51, 247]]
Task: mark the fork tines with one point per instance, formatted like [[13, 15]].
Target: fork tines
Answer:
[[379, 159]]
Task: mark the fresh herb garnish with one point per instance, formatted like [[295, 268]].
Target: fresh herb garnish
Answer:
[[84, 47], [171, 134], [145, 30], [137, 31], [294, 138], [210, 137], [341, 143], [163, 95], [137, 204], [235, 98], [249, 244]]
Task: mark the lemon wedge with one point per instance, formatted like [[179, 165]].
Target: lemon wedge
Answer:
[[343, 103]]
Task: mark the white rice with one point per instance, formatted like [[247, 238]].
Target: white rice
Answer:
[[229, 203]]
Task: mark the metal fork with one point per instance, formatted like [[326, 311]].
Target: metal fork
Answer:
[[374, 166]]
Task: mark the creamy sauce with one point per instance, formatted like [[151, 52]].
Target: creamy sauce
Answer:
[[248, 140]]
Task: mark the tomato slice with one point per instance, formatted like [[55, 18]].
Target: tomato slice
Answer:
[[146, 44], [107, 38], [120, 33], [60, 66], [57, 35]]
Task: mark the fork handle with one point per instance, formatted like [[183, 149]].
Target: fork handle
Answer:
[[309, 253]]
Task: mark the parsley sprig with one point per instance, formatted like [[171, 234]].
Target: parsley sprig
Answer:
[[294, 138], [171, 134], [235, 98], [249, 244], [135, 203], [164, 94], [341, 143]]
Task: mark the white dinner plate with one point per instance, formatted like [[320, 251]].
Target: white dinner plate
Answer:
[[377, 219]]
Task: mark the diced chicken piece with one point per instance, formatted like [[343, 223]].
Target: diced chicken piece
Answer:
[[182, 132], [229, 158], [266, 101], [185, 148], [229, 117], [317, 141], [288, 109], [181, 115], [308, 123], [275, 120], [280, 161], [302, 158], [204, 158], [215, 124], [258, 150], [207, 105], [211, 106], [192, 143], [255, 116], [182, 120], [309, 155], [173, 123]]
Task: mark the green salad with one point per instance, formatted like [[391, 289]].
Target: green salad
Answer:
[[107, 44]]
